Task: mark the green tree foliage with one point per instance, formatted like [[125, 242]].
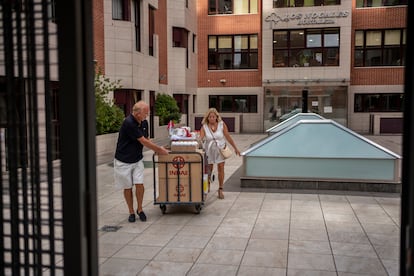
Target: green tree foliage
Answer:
[[166, 109], [109, 117]]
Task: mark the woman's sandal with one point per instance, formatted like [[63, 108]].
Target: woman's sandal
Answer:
[[220, 193]]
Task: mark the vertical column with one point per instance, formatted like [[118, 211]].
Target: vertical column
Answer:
[[304, 100]]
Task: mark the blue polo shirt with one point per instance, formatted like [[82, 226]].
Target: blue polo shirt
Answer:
[[128, 148]]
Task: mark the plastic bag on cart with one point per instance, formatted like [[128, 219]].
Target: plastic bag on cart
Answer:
[[183, 133]]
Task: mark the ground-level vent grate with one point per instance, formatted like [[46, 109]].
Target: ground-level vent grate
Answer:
[[110, 228]]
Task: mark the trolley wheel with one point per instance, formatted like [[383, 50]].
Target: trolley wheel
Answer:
[[163, 208], [198, 208]]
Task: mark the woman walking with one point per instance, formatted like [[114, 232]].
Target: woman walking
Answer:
[[214, 134]]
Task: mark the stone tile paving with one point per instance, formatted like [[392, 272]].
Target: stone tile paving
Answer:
[[250, 233]]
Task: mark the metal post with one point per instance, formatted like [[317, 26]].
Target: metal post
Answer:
[[407, 194], [77, 106], [304, 101]]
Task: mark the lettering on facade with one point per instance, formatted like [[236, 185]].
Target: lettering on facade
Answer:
[[311, 18]]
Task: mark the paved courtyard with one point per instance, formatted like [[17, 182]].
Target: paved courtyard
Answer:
[[251, 232]]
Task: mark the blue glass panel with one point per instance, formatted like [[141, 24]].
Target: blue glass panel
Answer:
[[317, 168], [319, 139]]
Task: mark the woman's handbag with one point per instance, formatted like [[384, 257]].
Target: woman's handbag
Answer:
[[226, 152]]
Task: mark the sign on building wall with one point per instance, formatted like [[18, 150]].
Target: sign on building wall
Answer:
[[308, 18]]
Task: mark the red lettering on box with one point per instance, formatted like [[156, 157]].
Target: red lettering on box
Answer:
[[178, 173]]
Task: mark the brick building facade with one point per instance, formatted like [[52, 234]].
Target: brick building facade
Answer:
[[254, 60]]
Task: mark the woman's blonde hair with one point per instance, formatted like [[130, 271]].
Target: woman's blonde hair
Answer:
[[211, 110]]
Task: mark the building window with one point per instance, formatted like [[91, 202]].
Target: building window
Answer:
[[380, 48], [304, 3], [232, 7], [151, 27], [306, 47], [232, 52], [182, 102], [379, 102], [194, 42], [379, 3], [220, 6], [126, 98], [121, 10], [180, 37], [234, 103], [137, 25], [245, 6]]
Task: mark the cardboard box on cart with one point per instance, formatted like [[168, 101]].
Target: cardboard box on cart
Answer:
[[187, 145], [178, 169]]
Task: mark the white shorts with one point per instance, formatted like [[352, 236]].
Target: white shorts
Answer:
[[128, 174]]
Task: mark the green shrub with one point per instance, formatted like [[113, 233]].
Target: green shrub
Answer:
[[109, 117], [166, 109]]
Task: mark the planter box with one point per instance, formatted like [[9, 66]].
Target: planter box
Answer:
[[105, 147]]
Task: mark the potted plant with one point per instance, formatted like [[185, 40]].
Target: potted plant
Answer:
[[167, 109], [109, 118], [304, 58]]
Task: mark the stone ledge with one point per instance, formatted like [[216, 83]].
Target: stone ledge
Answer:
[[319, 185]]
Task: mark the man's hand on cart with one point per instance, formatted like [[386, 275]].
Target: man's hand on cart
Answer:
[[162, 151], [157, 149]]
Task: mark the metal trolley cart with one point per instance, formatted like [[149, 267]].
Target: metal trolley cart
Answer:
[[180, 179]]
